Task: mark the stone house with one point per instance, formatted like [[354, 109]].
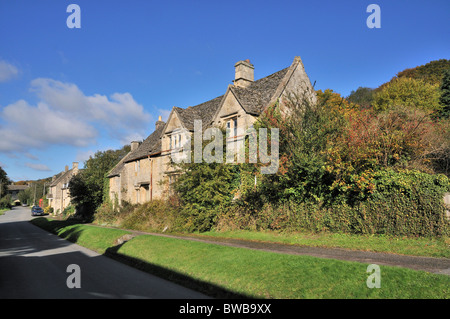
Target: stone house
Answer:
[[145, 173], [58, 192]]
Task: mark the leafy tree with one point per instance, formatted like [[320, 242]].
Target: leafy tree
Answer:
[[407, 92], [86, 188], [25, 196], [445, 95], [363, 96], [305, 133], [430, 73], [205, 187], [4, 181]]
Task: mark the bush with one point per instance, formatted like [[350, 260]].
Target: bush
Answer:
[[5, 202], [406, 203], [48, 210]]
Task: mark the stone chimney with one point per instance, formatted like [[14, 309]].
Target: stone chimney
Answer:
[[159, 123], [66, 168], [75, 167], [135, 145], [244, 73]]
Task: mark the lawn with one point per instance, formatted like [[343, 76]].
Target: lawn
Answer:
[[428, 247], [271, 275], [223, 271], [95, 238]]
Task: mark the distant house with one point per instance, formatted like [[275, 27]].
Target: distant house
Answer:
[[14, 190], [58, 193], [145, 174]]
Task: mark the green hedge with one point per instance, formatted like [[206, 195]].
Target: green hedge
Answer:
[[406, 203]]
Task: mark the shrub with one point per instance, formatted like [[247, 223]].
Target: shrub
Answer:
[[408, 203], [5, 202]]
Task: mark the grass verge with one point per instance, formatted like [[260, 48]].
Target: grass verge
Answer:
[[223, 271], [427, 247], [95, 238], [270, 275]]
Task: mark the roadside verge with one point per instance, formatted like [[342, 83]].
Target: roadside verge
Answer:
[[224, 271]]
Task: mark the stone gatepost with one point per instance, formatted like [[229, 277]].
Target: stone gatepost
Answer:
[[447, 203]]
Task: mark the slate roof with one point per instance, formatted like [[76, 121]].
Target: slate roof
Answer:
[[151, 145], [258, 94], [204, 111], [16, 187], [252, 98], [118, 168], [64, 177]]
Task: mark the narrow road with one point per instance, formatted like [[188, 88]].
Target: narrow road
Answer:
[[33, 264]]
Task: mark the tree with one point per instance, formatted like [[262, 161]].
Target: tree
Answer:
[[306, 131], [430, 73], [87, 187], [4, 182], [445, 95], [363, 96], [25, 196], [407, 92], [205, 187]]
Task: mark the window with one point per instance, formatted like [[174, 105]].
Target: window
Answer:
[[175, 141], [232, 127]]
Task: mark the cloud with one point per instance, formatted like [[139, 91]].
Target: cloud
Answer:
[[64, 115], [31, 156], [120, 114], [38, 126], [7, 71], [38, 167]]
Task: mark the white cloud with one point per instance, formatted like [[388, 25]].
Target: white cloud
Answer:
[[38, 167], [66, 116], [30, 126], [7, 71]]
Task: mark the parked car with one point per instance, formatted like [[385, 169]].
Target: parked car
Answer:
[[37, 211]]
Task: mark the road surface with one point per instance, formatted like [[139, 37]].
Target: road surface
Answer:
[[33, 264]]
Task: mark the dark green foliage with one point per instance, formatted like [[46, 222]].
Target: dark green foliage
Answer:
[[431, 72], [405, 204], [445, 95], [4, 181], [5, 202], [363, 96], [87, 187], [203, 188]]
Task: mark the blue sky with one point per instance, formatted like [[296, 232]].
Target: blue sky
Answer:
[[66, 93]]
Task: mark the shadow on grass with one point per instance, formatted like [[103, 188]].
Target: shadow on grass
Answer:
[[206, 288], [55, 227], [72, 234]]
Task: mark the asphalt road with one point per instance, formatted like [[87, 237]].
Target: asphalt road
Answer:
[[33, 264]]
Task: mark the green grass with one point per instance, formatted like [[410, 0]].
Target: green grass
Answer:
[[3, 210], [223, 271], [270, 275], [92, 237], [430, 247]]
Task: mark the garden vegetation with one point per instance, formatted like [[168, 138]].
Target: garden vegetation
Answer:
[[376, 167]]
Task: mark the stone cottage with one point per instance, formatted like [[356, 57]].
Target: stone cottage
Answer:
[[58, 193], [146, 174]]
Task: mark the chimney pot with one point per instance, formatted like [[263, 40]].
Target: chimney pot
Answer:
[[134, 145], [159, 123], [244, 73]]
